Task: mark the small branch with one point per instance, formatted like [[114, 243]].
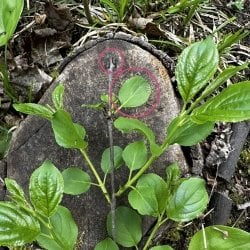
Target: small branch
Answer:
[[136, 177], [92, 168], [151, 236], [87, 11]]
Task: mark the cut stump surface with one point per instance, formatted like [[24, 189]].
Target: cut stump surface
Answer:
[[85, 79]]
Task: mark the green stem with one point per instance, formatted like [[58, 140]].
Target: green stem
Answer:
[[87, 11], [92, 168], [136, 176], [151, 236]]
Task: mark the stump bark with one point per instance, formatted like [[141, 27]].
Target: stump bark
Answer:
[[84, 82]]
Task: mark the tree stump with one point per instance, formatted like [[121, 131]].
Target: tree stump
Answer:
[[85, 78]]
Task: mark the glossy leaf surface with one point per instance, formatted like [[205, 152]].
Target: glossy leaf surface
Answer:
[[126, 125], [34, 109], [187, 132], [220, 238], [149, 196], [196, 66], [16, 192], [17, 226], [57, 96], [134, 92], [46, 188], [135, 155], [231, 105], [10, 12], [189, 201], [67, 133], [128, 225], [65, 230]]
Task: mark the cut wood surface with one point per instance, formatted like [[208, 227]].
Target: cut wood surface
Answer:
[[84, 82]]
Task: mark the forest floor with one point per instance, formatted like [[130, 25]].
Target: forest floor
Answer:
[[49, 31]]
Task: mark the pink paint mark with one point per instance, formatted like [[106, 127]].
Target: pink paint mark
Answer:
[[105, 53]]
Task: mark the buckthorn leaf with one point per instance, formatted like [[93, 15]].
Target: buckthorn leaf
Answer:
[[188, 133], [222, 78], [189, 201], [65, 229], [163, 247], [46, 189], [196, 66], [34, 109], [149, 196], [67, 133], [16, 192], [231, 105], [221, 238], [126, 125], [57, 96], [128, 226], [134, 92], [107, 244], [76, 181], [17, 226], [10, 12], [105, 161], [135, 155]]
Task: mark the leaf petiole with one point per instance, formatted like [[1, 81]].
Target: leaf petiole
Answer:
[[98, 178], [136, 176], [157, 225]]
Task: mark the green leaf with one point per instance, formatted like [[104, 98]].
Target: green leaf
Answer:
[[107, 244], [67, 133], [220, 238], [105, 161], [231, 105], [150, 195], [46, 188], [163, 247], [65, 230], [135, 155], [126, 125], [229, 39], [16, 192], [222, 78], [134, 92], [10, 12], [57, 96], [196, 66], [76, 181], [128, 226], [173, 174], [189, 201], [34, 109], [17, 226], [187, 132]]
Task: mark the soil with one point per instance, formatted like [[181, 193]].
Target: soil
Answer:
[[48, 33]]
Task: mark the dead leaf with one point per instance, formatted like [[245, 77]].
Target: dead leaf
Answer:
[[59, 18], [139, 22]]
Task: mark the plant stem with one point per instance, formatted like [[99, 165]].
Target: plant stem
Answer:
[[136, 176], [151, 236], [92, 168], [87, 11]]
